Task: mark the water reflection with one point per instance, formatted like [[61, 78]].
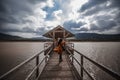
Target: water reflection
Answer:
[[106, 53], [13, 53]]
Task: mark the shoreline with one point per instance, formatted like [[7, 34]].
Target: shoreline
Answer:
[[51, 41]]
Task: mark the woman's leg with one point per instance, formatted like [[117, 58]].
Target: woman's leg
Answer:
[[60, 57]]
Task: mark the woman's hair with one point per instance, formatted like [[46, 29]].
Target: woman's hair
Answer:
[[60, 40]]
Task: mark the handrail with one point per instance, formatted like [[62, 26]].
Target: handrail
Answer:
[[80, 65], [107, 70], [34, 69], [21, 64], [38, 65], [84, 69], [104, 68]]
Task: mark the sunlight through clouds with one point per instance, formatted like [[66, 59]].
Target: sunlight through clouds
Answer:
[[75, 5], [57, 14], [39, 16], [50, 3]]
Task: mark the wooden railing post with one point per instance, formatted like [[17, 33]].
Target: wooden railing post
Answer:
[[46, 57], [82, 67], [37, 70], [72, 59]]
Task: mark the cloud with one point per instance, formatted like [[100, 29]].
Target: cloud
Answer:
[[22, 16], [91, 3], [39, 16], [57, 14], [12, 12], [115, 3], [72, 25], [102, 25], [100, 16], [36, 1], [50, 3]]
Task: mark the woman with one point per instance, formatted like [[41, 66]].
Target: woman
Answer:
[[60, 49]]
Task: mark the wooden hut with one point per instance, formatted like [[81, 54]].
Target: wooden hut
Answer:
[[58, 32]]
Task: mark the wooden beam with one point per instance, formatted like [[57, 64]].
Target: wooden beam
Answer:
[[67, 34], [50, 34]]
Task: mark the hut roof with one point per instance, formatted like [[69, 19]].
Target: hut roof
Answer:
[[58, 32]]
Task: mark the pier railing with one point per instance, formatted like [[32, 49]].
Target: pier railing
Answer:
[[35, 69], [70, 50]]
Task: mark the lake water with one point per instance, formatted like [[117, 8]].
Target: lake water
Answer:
[[13, 53], [106, 53]]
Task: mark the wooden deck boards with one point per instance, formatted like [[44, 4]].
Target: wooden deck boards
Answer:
[[57, 71]]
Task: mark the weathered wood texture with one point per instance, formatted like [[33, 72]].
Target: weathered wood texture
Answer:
[[57, 71]]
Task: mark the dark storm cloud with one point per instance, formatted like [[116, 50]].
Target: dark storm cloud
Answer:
[[2, 8], [72, 24], [91, 3], [28, 30], [15, 6], [36, 1], [105, 12], [92, 7], [117, 17], [13, 12], [96, 9], [115, 3], [4, 30], [41, 31], [7, 19], [102, 17], [83, 29], [103, 25], [118, 29], [25, 30], [106, 24]]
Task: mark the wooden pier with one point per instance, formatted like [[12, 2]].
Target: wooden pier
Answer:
[[57, 71]]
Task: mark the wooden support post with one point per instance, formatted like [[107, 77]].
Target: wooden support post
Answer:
[[82, 67], [72, 59], [37, 70], [46, 59], [72, 46], [53, 35], [64, 34]]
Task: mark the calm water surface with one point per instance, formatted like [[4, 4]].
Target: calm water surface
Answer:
[[106, 53], [13, 53]]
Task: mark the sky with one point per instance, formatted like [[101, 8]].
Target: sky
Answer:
[[33, 18]]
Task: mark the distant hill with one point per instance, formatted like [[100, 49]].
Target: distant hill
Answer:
[[8, 37], [97, 37], [78, 36]]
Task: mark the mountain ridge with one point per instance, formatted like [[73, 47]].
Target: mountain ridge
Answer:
[[8, 37], [95, 36], [78, 36]]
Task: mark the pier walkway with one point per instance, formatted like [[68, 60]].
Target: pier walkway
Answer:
[[57, 71]]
